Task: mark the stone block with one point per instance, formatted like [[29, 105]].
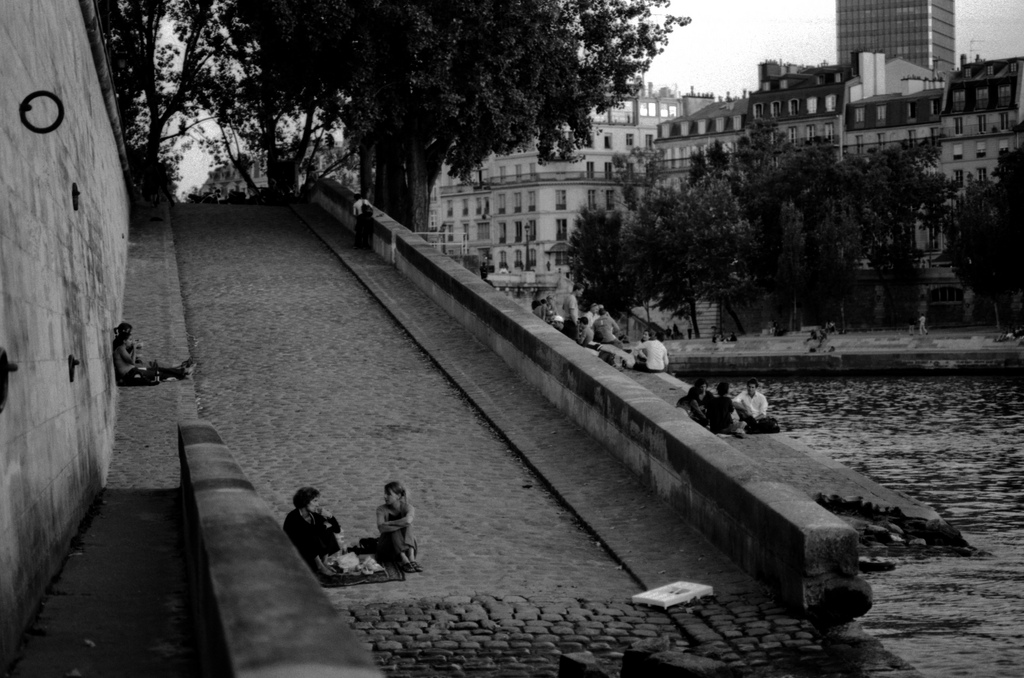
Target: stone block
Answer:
[[634, 661], [580, 665], [686, 665]]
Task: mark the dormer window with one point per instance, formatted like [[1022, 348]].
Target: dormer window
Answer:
[[990, 70], [758, 110], [776, 109], [720, 125], [702, 126], [830, 102], [812, 105], [820, 80], [794, 107]]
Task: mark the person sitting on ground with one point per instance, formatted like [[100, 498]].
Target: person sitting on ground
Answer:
[[313, 530], [558, 322], [586, 332], [720, 410], [655, 355], [606, 330], [693, 403], [394, 520], [732, 337], [751, 405], [129, 369]]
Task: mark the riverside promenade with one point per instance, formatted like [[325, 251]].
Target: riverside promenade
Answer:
[[320, 365]]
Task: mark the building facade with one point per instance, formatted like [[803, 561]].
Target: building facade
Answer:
[[982, 105], [516, 215], [682, 139], [920, 31]]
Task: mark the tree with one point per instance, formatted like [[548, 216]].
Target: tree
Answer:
[[791, 269], [838, 257], [162, 51], [597, 260], [984, 235], [453, 81]]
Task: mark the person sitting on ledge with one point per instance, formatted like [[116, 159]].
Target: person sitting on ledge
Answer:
[[655, 355], [695, 401], [719, 410], [128, 368], [312, 529], [394, 520], [751, 405]]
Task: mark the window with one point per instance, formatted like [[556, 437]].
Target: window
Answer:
[[958, 126], [912, 135], [936, 106], [501, 173], [737, 122], [830, 131], [483, 231], [487, 206], [791, 131], [958, 151], [912, 110], [590, 170], [811, 131], [479, 205], [501, 203], [502, 234], [959, 99], [981, 98], [1004, 146], [982, 124], [608, 171], [830, 102], [858, 114], [1004, 121], [758, 110], [560, 199], [607, 140], [946, 295], [629, 141], [881, 140], [517, 202], [519, 231], [990, 69], [561, 258], [519, 259], [503, 259], [531, 230], [958, 177], [860, 143], [812, 105], [531, 201], [794, 107], [720, 125], [1013, 67], [531, 259], [592, 199], [981, 149], [609, 199], [880, 111], [982, 174], [561, 229], [533, 170], [451, 208], [776, 109], [649, 141], [702, 127]]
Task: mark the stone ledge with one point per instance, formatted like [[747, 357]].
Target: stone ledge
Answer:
[[258, 610], [781, 537]]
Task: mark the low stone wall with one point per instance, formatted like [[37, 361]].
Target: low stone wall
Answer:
[[908, 362], [257, 609], [774, 532]]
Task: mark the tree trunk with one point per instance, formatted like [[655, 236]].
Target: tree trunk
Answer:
[[995, 305], [417, 181], [692, 309], [366, 153], [735, 318]]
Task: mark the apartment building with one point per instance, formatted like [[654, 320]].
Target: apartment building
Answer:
[[684, 138]]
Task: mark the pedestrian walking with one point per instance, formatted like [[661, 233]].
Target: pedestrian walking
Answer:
[[921, 329]]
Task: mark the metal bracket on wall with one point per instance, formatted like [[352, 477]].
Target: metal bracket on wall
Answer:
[[72, 363], [26, 106], [6, 368]]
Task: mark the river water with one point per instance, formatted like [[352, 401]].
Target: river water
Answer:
[[956, 444]]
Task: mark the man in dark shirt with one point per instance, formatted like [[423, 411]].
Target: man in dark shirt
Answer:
[[695, 401], [720, 410]]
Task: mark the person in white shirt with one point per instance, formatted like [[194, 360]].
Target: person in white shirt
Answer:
[[751, 405], [655, 355]]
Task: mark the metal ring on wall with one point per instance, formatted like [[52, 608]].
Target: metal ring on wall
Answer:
[[5, 369], [26, 106]]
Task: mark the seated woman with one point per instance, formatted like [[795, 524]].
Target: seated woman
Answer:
[[394, 520], [312, 530], [130, 371]]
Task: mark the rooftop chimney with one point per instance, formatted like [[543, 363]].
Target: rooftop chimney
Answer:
[[963, 60]]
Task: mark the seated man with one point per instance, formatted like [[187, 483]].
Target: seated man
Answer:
[[606, 330], [653, 356], [751, 405], [694, 402], [719, 411]]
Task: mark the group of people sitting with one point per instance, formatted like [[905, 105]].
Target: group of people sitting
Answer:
[[745, 413], [129, 369], [317, 536], [1010, 335]]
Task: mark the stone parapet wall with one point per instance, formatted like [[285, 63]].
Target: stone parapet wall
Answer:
[[62, 271], [774, 532], [257, 609]]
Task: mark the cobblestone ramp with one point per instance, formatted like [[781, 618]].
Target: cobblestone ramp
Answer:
[[312, 382]]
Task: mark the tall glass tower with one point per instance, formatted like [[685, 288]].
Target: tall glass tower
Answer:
[[920, 31]]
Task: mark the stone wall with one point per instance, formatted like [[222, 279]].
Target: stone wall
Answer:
[[61, 283]]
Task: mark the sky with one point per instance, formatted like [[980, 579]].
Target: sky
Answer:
[[719, 51]]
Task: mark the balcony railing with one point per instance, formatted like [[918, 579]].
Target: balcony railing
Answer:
[[975, 130], [534, 177]]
